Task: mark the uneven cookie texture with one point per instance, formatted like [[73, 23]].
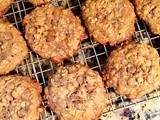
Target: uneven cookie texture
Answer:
[[76, 92], [133, 70], [109, 21], [4, 6], [53, 32], [38, 2], [13, 48], [149, 11], [20, 98]]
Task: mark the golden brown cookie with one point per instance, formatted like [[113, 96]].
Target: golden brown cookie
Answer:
[[20, 98], [4, 6], [133, 70], [37, 2], [13, 48], [53, 32], [109, 21], [149, 11], [76, 92]]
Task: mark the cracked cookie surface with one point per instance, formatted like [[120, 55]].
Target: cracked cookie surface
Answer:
[[20, 98], [4, 6], [53, 32], [13, 48], [149, 11], [133, 70], [109, 21], [38, 2], [76, 92]]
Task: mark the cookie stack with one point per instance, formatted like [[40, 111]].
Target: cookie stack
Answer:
[[75, 92]]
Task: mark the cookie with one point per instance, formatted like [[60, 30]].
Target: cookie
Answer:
[[13, 48], [20, 98], [38, 2], [4, 6], [133, 70], [109, 21], [76, 92], [53, 32], [149, 11]]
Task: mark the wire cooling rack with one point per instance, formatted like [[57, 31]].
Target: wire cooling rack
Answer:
[[91, 53]]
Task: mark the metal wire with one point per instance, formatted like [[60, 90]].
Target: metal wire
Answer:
[[91, 54]]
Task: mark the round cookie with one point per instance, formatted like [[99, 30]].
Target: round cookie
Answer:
[[149, 11], [76, 92], [109, 21], [132, 70], [4, 6], [20, 98], [13, 48], [38, 2], [53, 32]]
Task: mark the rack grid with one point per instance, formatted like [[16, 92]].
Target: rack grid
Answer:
[[91, 53]]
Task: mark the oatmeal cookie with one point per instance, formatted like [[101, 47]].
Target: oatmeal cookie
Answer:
[[133, 70], [13, 48], [76, 92], [109, 21], [4, 6], [20, 98], [149, 11], [53, 32], [37, 2]]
